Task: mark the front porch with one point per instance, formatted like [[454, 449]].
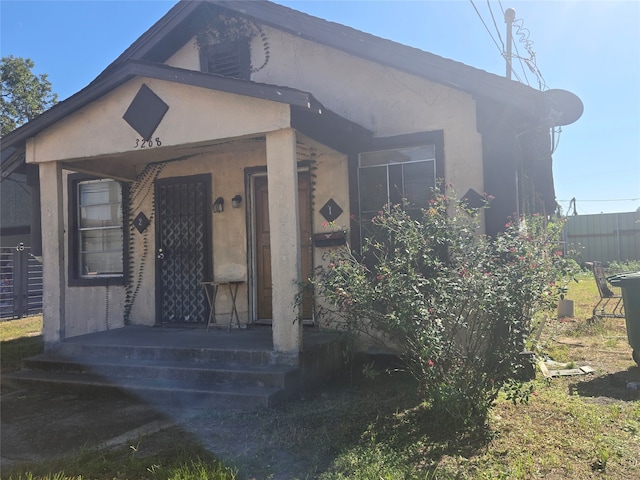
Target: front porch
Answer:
[[185, 366]]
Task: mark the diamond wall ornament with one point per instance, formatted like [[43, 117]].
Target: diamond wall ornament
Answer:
[[145, 112], [331, 210], [473, 199], [141, 222]]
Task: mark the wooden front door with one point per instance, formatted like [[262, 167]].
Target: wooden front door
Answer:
[[183, 249], [263, 245]]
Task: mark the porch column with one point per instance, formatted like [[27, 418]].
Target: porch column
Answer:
[[284, 221], [53, 247]]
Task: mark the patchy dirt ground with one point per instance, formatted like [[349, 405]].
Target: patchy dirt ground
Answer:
[[38, 426]]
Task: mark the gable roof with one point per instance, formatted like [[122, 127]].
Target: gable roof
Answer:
[[156, 45], [183, 20]]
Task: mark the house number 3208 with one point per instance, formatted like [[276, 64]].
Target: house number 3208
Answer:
[[154, 142]]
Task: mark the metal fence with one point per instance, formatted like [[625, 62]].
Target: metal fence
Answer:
[[605, 238], [21, 287]]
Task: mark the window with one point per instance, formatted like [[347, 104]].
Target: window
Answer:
[[231, 59], [97, 243], [389, 176]]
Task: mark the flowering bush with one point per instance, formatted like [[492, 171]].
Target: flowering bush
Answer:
[[455, 305]]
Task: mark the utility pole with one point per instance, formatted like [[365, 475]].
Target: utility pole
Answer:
[[509, 17]]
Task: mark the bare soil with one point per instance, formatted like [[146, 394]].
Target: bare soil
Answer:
[[282, 443]]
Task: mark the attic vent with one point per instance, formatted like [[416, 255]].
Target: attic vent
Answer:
[[231, 59]]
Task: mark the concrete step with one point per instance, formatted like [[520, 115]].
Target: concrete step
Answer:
[[195, 372], [168, 353], [155, 391]]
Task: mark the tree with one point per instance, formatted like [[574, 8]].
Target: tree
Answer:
[[25, 95]]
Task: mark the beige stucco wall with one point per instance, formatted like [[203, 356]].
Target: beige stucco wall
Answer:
[[187, 57], [195, 115], [387, 101], [87, 309]]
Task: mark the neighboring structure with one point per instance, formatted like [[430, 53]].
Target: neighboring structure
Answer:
[[20, 269], [218, 145], [604, 237]]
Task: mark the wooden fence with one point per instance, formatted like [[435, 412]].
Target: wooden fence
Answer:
[[606, 237], [21, 283]]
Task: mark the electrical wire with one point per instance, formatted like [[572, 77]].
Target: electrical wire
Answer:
[[520, 60], [524, 34], [501, 50], [495, 24], [607, 200]]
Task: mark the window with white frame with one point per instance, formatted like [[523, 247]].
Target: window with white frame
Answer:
[[396, 175], [99, 244]]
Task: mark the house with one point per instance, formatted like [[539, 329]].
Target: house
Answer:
[[218, 146]]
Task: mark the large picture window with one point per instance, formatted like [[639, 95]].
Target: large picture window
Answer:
[[389, 176], [98, 243]]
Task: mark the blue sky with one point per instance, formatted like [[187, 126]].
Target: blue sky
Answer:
[[591, 48]]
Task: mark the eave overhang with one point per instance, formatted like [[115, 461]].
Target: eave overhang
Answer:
[[186, 18], [305, 108]]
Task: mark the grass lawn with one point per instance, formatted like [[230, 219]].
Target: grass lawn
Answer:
[[19, 338], [574, 427]]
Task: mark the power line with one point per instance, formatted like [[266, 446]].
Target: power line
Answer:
[[501, 50], [606, 200], [495, 24], [523, 33]]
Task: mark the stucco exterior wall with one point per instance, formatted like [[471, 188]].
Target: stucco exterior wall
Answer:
[[87, 309], [387, 101], [195, 115], [187, 57], [382, 99]]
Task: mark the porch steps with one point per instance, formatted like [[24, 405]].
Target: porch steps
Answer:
[[165, 392], [178, 376]]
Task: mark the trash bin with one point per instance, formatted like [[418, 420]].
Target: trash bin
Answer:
[[629, 283]]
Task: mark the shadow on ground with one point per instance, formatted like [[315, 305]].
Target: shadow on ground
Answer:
[[612, 385]]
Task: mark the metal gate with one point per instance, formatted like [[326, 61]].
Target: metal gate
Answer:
[[21, 283], [183, 249]]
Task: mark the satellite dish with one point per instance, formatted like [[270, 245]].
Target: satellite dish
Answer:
[[563, 107]]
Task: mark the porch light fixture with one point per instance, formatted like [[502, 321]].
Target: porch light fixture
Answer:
[[218, 205], [236, 201]]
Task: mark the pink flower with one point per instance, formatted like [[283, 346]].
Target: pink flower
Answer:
[[325, 224], [431, 364]]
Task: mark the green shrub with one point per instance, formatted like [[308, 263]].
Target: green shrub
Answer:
[[628, 266], [454, 304]]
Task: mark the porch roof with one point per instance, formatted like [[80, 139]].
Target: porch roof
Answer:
[[308, 114]]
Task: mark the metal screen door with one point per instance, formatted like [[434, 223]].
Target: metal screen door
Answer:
[[183, 249]]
